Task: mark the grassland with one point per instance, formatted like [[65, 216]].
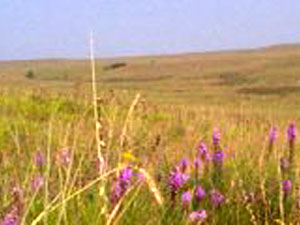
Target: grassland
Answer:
[[183, 99]]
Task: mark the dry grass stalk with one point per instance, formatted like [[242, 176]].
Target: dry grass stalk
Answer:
[[95, 104], [48, 169], [130, 111], [153, 188], [117, 208], [262, 187], [51, 207], [281, 196], [133, 197]]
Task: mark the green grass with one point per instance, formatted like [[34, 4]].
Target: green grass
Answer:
[[183, 99]]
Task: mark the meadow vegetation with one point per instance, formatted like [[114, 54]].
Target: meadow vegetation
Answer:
[[188, 139]]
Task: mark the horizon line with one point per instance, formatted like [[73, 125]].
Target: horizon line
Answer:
[[145, 55]]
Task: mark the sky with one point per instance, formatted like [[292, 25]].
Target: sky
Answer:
[[35, 29]]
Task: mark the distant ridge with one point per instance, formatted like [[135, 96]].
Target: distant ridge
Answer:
[[275, 47], [282, 47]]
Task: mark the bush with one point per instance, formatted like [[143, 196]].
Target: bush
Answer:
[[29, 74]]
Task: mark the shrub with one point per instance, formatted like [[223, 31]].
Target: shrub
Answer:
[[30, 74]]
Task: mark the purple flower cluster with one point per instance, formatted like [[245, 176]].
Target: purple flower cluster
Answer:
[[203, 152], [217, 199], [183, 165], [186, 199], [291, 132], [39, 159], [218, 156], [121, 185], [286, 162], [37, 183], [197, 163], [273, 134], [11, 218], [202, 149], [287, 187], [199, 193], [216, 137], [198, 216], [125, 174], [177, 182], [177, 179], [13, 215]]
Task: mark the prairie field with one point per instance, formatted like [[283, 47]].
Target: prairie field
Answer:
[[196, 138]]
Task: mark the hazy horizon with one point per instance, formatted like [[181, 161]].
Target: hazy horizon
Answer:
[[60, 29]]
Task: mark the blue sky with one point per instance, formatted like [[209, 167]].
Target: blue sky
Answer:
[[60, 28]]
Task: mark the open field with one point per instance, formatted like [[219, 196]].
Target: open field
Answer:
[[191, 78], [49, 164]]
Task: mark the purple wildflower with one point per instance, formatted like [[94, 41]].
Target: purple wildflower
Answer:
[[198, 216], [10, 219], [217, 199], [207, 157], [218, 156], [202, 149], [121, 185], [218, 159], [125, 174], [273, 134], [183, 165], [39, 159], [37, 183], [203, 152], [287, 187], [216, 137], [291, 132], [119, 189], [177, 179], [272, 139], [199, 193], [197, 163], [186, 198]]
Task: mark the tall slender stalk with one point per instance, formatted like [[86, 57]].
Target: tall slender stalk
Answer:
[[47, 173], [95, 104]]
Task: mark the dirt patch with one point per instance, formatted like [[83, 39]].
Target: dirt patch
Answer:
[[137, 79], [282, 90]]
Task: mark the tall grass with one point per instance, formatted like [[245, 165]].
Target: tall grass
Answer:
[[126, 160], [150, 142]]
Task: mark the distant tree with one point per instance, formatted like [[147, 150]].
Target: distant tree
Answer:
[[29, 74], [115, 66]]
